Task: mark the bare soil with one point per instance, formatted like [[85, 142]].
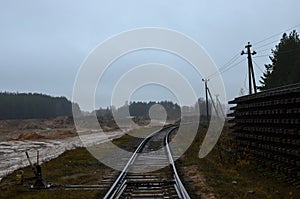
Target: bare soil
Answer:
[[37, 129], [198, 182]]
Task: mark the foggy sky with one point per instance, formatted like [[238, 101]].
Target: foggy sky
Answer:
[[43, 43]]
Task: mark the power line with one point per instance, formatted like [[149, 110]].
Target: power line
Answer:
[[232, 60], [279, 52], [228, 65], [245, 83], [261, 56], [258, 67], [232, 66], [267, 44], [288, 51], [277, 34], [206, 98], [263, 50], [223, 70]]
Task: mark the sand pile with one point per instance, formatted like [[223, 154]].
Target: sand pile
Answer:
[[63, 134], [29, 136]]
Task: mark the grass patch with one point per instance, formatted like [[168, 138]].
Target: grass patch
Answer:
[[76, 166], [231, 177], [219, 169], [72, 167]]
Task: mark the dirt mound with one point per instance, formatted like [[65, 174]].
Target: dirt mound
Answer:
[[22, 124], [38, 124], [32, 125], [29, 136], [4, 124], [64, 134]]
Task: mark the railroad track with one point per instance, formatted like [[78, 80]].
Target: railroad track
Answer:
[[134, 182]]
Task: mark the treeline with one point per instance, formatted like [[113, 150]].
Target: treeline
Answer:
[[33, 105], [284, 68], [141, 109]]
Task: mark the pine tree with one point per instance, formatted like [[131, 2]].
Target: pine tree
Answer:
[[285, 63]]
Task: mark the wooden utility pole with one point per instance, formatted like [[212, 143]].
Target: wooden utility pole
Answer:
[[206, 99], [217, 104], [212, 102], [250, 68]]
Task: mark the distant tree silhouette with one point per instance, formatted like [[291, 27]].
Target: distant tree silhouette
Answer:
[[141, 109], [33, 105], [285, 66]]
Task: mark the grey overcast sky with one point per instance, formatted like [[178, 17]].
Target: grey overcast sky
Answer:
[[44, 42]]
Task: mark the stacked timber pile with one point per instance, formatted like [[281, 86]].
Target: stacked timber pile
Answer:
[[267, 127]]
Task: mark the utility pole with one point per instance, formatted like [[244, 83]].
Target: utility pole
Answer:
[[250, 68], [212, 101], [206, 98], [217, 104]]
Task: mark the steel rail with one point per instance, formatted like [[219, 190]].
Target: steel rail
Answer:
[[116, 187], [181, 191]]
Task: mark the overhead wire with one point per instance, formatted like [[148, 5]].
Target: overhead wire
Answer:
[[275, 35], [261, 56], [245, 84], [258, 67], [233, 66], [228, 63], [233, 59], [288, 51], [226, 69], [263, 50], [232, 62], [280, 52], [267, 44]]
